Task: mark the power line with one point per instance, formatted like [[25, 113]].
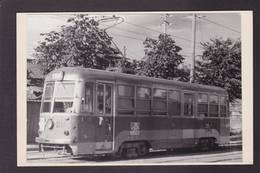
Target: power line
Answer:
[[132, 52], [142, 34], [159, 32], [126, 36], [126, 30], [140, 26], [218, 24]]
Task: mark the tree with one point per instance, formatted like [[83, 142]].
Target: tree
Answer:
[[162, 59], [81, 43], [220, 65]]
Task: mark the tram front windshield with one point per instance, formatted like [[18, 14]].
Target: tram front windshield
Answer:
[[58, 95]]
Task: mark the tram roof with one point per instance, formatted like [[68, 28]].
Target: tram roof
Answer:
[[108, 75]]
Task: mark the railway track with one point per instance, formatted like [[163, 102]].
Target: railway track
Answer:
[[231, 152]]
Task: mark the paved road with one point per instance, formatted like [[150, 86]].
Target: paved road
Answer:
[[154, 158]]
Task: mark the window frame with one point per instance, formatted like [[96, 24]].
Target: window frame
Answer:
[[185, 92], [62, 99], [202, 103], [92, 97], [50, 101], [213, 104], [104, 84], [164, 100], [143, 111], [126, 111], [53, 99], [226, 107], [174, 101]]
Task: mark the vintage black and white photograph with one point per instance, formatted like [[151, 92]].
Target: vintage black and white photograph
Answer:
[[150, 88]]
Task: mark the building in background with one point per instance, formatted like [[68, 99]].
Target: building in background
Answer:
[[35, 79]]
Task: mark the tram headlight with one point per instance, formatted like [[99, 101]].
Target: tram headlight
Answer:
[[50, 124], [39, 132], [67, 133]]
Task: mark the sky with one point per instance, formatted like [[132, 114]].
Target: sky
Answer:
[[135, 27]]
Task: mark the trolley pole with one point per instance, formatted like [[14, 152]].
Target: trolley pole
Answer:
[[193, 48]]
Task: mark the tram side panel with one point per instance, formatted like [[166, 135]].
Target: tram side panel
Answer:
[[162, 132], [94, 135], [208, 128], [224, 131]]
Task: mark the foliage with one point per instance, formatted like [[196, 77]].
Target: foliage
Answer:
[[131, 66], [162, 59], [220, 65], [80, 43]]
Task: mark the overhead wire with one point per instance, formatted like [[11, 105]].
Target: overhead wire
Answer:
[[126, 30], [182, 38], [142, 34], [134, 38], [218, 24]]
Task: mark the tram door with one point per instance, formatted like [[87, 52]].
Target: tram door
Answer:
[[105, 110]]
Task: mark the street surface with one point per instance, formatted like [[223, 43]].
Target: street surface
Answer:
[[160, 157]]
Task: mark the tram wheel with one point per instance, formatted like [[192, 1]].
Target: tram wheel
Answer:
[[207, 144], [129, 153], [143, 149]]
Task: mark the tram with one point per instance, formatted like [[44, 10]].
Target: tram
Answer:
[[91, 112]]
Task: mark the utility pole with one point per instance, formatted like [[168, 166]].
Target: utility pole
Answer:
[[166, 23], [121, 63], [193, 48], [124, 52]]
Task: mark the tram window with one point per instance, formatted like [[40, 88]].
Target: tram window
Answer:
[[61, 106], [108, 99], [159, 105], [213, 99], [126, 101], [174, 105], [188, 104], [213, 107], [202, 98], [46, 107], [63, 97], [143, 104], [100, 98], [174, 96], [48, 91], [64, 90], [87, 105], [159, 101], [202, 105], [222, 100], [223, 109], [159, 93], [125, 91], [213, 110], [143, 100], [144, 93]]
